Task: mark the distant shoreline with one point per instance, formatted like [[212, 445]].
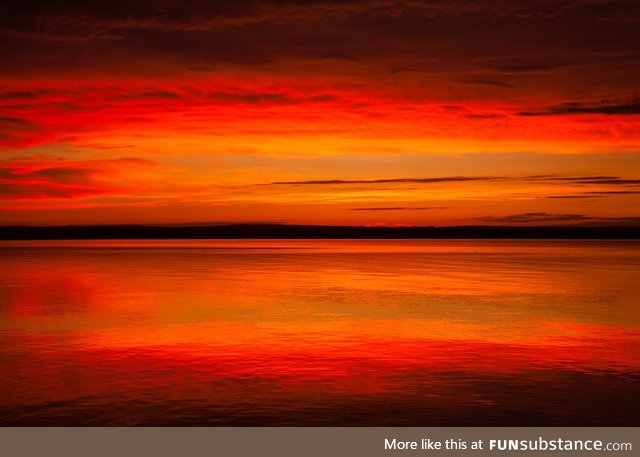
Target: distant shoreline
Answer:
[[283, 231]]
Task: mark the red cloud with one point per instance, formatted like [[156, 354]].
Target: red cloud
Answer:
[[62, 179], [60, 112]]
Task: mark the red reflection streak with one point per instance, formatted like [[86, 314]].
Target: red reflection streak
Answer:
[[371, 367], [52, 294]]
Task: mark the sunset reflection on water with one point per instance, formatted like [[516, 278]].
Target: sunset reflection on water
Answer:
[[311, 332]]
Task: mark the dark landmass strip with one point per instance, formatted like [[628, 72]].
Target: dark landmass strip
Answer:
[[283, 231]]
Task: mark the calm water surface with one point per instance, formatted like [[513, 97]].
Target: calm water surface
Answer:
[[280, 332]]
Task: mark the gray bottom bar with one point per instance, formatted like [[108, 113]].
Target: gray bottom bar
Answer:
[[293, 441]]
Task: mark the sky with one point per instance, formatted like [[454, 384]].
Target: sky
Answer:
[[353, 112]]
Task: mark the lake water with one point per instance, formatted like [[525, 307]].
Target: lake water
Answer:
[[320, 332]]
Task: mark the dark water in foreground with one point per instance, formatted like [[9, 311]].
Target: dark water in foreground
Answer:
[[277, 332]]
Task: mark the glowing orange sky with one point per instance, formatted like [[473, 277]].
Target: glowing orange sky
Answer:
[[357, 112]]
